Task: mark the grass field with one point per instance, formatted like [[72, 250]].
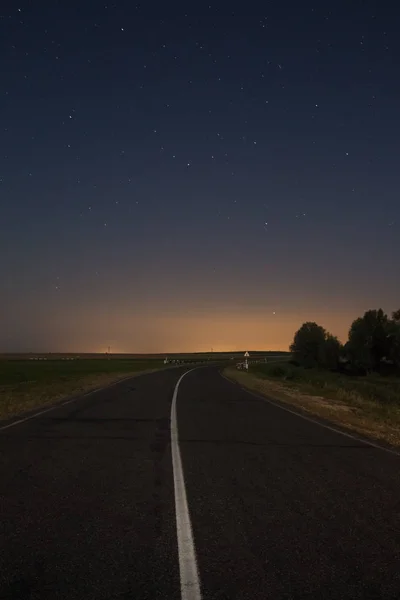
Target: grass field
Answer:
[[369, 405], [27, 384]]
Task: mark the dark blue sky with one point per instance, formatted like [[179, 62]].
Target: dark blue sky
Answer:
[[175, 180]]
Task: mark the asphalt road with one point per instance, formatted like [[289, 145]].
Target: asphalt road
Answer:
[[280, 507]]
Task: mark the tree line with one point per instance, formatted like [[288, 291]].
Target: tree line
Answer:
[[373, 345]]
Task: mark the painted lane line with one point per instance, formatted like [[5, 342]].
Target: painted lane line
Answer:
[[189, 575], [59, 405], [311, 420], [46, 410]]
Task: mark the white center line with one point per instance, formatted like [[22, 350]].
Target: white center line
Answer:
[[190, 581]]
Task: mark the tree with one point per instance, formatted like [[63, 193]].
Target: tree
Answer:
[[308, 344], [394, 339], [331, 352], [396, 316], [370, 340]]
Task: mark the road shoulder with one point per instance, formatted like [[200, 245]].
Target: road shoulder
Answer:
[[329, 412]]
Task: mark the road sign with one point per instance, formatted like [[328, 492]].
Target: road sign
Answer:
[[246, 354]]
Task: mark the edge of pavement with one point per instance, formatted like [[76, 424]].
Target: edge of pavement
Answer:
[[6, 423], [313, 418]]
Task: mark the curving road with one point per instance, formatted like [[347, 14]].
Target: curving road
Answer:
[[280, 507]]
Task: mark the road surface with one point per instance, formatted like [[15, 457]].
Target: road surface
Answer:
[[280, 507]]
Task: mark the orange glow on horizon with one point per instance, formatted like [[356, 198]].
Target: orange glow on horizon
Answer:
[[199, 333]]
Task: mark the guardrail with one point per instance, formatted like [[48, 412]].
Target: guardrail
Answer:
[[242, 365]]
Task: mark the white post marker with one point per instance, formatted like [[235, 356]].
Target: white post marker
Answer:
[[189, 575], [246, 364]]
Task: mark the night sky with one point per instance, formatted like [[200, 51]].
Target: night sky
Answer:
[[175, 181]]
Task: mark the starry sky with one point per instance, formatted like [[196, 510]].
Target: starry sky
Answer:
[[175, 178]]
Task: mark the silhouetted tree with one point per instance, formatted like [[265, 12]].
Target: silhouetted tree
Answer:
[[370, 340], [373, 345], [331, 351], [396, 316], [308, 343], [394, 339]]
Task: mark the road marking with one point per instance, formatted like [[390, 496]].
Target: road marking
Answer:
[[46, 410], [59, 405], [190, 581], [311, 420]]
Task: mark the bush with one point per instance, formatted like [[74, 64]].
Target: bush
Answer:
[[277, 371], [283, 370]]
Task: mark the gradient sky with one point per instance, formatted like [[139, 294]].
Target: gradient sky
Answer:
[[175, 181]]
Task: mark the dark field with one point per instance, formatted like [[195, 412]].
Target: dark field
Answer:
[[39, 371], [27, 384]]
